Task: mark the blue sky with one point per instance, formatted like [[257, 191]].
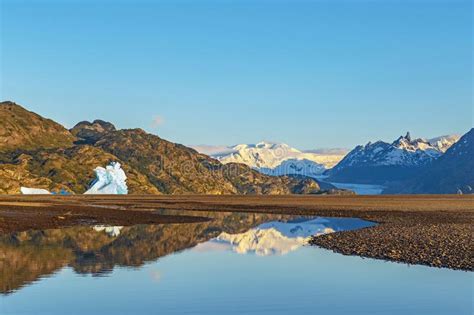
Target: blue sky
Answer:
[[308, 73]]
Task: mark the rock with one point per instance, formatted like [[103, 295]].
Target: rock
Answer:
[[91, 132]]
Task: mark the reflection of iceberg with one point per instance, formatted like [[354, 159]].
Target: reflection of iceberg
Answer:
[[34, 191], [109, 180], [283, 237], [112, 231]]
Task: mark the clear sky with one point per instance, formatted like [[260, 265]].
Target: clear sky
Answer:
[[309, 73]]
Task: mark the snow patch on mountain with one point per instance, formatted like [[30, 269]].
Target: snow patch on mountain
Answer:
[[213, 150], [443, 143]]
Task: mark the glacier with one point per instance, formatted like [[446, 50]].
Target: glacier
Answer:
[[110, 180], [296, 167]]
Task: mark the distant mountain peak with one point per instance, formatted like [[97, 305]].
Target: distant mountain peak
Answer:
[[408, 136]]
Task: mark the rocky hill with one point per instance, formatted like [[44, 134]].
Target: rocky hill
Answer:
[[54, 158], [23, 129]]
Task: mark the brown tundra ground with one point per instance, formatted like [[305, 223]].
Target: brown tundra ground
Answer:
[[434, 230]]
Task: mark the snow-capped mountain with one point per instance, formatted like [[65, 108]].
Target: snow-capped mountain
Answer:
[[276, 158], [382, 161], [451, 173]]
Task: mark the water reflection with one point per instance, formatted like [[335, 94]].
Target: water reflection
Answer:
[[204, 268], [32, 255]]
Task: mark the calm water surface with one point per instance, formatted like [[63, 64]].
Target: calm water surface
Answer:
[[235, 264]]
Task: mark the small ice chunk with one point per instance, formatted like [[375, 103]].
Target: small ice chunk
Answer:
[[34, 191]]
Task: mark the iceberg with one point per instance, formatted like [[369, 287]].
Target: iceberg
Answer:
[[110, 180], [34, 191]]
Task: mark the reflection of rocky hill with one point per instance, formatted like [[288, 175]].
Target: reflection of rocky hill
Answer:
[[26, 256]]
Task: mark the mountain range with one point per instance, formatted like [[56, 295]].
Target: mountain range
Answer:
[[406, 165], [383, 162], [38, 152]]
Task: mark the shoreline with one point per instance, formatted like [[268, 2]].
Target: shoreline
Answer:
[[432, 230]]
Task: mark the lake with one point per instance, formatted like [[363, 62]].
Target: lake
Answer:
[[235, 264]]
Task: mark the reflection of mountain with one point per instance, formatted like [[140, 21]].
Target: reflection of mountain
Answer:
[[263, 242], [278, 237], [27, 256]]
